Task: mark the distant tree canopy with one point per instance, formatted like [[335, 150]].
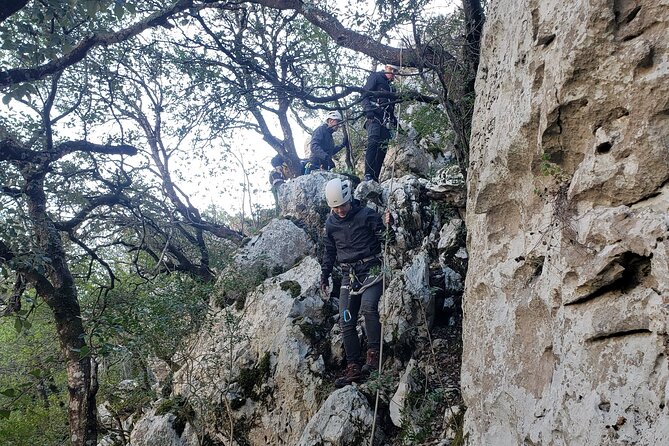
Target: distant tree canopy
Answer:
[[106, 97]]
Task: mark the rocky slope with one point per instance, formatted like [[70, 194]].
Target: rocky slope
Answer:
[[261, 370]]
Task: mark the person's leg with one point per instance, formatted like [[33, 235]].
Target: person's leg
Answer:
[[370, 311], [349, 307], [384, 138], [348, 316], [316, 163], [371, 155]]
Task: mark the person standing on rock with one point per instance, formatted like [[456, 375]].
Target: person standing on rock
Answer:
[[322, 144], [353, 235], [381, 120]]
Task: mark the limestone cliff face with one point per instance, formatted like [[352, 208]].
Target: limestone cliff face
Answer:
[[567, 294]]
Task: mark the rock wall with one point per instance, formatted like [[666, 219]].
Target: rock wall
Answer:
[[567, 293]]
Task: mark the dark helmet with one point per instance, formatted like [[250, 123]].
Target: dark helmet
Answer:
[[277, 161]]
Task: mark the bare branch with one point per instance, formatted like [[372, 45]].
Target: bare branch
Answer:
[[10, 150], [352, 40], [103, 200]]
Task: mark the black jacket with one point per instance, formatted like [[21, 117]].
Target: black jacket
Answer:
[[352, 238], [381, 109], [322, 143]]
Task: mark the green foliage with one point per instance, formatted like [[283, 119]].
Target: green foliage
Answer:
[[36, 424], [549, 168], [45, 30], [432, 127], [380, 382], [421, 412], [251, 380], [237, 282], [33, 386], [181, 408], [456, 423], [148, 317], [124, 404], [293, 288]]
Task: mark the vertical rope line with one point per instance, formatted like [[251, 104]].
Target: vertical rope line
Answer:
[[385, 265]]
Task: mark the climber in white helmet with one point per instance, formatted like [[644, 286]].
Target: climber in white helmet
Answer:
[[322, 144], [381, 121], [353, 235]]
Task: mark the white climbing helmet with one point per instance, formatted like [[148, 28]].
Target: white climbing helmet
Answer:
[[337, 192], [334, 115]]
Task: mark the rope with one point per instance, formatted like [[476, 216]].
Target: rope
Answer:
[[385, 265]]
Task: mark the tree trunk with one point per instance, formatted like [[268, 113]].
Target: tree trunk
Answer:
[[60, 293]]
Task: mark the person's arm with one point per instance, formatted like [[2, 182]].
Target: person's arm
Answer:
[[329, 257], [343, 144], [382, 225]]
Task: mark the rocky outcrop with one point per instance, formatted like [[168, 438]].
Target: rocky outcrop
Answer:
[[261, 369], [279, 246], [344, 419], [567, 295]]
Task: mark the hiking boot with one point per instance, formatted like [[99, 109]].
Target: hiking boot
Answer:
[[372, 363], [353, 374]]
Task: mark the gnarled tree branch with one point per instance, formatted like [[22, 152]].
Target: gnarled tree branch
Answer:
[[18, 75]]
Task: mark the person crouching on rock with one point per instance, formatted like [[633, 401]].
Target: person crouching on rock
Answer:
[[353, 237]]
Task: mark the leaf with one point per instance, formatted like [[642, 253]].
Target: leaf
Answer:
[[18, 325], [85, 351], [4, 413], [9, 393], [6, 98], [37, 373], [118, 11]]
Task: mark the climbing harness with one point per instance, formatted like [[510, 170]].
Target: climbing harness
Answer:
[[353, 278]]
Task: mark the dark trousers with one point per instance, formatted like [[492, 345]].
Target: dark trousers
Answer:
[[351, 305], [377, 144], [320, 163]]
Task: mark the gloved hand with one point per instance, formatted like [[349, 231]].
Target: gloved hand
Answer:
[[325, 287]]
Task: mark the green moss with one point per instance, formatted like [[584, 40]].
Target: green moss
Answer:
[[166, 390], [314, 332], [323, 390], [131, 403], [251, 380], [180, 408], [292, 287]]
